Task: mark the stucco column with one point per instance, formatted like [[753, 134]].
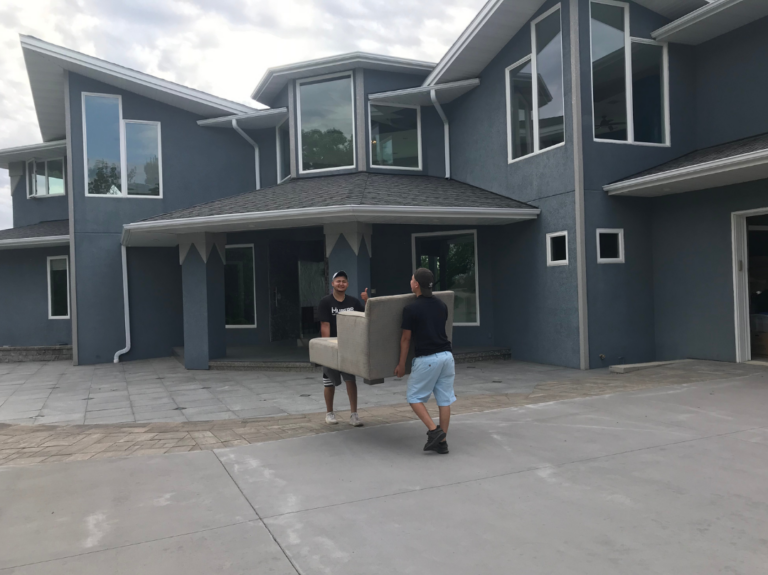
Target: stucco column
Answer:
[[348, 248], [202, 275]]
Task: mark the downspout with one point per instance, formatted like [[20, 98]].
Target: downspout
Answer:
[[127, 347], [255, 150], [446, 132]]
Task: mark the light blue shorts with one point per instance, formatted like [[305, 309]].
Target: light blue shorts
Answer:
[[432, 373]]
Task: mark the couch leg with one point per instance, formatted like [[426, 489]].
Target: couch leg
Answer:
[[373, 381]]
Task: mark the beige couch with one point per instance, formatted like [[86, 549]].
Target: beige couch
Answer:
[[368, 344]]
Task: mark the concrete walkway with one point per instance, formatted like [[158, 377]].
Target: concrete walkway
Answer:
[[665, 480]]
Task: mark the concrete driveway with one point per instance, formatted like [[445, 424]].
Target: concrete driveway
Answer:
[[669, 480]]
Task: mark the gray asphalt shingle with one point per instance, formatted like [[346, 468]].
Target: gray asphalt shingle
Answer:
[[41, 230], [361, 189]]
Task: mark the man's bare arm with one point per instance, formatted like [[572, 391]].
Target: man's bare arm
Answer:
[[325, 329], [405, 345]]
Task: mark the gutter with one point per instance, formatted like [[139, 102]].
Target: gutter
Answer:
[[711, 9], [126, 308], [41, 242], [255, 150], [446, 133]]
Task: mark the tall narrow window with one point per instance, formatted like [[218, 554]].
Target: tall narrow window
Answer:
[[549, 74], [283, 151], [648, 93], [58, 287], [520, 109], [536, 110], [45, 178], [142, 158], [240, 287], [395, 137], [326, 123], [629, 79], [452, 257], [102, 118]]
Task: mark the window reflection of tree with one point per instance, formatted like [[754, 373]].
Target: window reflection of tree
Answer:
[[329, 148]]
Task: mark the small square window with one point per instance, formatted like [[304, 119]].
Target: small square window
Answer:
[[610, 246], [557, 249]]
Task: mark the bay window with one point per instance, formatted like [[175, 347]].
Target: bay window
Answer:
[[283, 136], [123, 158], [630, 90], [395, 136]]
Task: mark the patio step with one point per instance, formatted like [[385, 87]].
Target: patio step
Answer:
[[35, 353]]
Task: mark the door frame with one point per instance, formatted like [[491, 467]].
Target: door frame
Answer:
[[741, 282]]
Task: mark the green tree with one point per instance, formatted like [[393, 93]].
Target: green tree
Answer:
[[325, 149]]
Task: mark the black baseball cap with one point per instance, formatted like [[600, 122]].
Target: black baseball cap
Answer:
[[339, 274], [425, 278]]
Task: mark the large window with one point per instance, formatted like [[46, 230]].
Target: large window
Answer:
[[122, 157], [240, 287], [629, 79], [45, 178], [395, 136], [58, 287], [326, 123], [283, 136], [452, 257], [536, 117]]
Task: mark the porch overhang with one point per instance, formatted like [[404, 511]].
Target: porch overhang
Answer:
[[44, 242], [42, 235], [714, 19], [259, 120], [43, 151], [166, 232], [422, 96], [710, 168]]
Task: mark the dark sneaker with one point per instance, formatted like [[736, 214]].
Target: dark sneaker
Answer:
[[434, 437], [441, 448]]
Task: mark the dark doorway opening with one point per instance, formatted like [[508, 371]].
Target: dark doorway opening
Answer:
[[757, 250]]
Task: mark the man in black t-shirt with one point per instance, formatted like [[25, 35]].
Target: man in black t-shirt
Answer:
[[433, 369], [327, 310]]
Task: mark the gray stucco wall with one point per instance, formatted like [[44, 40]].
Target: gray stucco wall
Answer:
[[199, 165], [391, 271], [693, 277], [24, 299], [28, 211]]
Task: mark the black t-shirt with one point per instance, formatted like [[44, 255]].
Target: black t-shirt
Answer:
[[329, 307], [426, 319]]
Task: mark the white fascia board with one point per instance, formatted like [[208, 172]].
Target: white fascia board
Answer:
[[252, 121], [43, 242], [346, 61], [740, 162], [714, 19], [297, 217], [40, 151], [66, 56], [421, 96]]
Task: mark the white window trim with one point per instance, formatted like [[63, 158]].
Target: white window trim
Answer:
[[477, 264], [534, 91], [628, 41], [354, 123], [370, 139], [31, 172], [124, 154], [618, 260], [123, 151], [564, 262], [48, 273], [253, 255], [279, 153]]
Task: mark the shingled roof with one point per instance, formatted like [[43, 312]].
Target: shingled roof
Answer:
[[55, 228], [360, 189]]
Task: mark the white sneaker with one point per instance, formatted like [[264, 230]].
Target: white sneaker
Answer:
[[330, 418], [354, 420]]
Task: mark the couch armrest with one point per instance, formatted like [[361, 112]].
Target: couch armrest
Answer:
[[353, 329], [324, 351]]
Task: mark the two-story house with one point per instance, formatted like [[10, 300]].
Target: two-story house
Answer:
[[589, 177]]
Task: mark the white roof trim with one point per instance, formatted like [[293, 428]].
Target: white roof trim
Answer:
[[444, 92], [338, 63], [24, 153], [269, 118], [710, 21], [43, 242], [701, 176], [317, 216]]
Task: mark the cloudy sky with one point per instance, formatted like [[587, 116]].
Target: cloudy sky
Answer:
[[219, 46]]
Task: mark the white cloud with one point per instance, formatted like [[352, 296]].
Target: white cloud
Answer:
[[219, 46]]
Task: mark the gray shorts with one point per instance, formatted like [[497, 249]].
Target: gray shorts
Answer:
[[332, 377]]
